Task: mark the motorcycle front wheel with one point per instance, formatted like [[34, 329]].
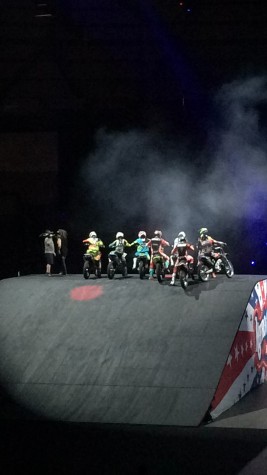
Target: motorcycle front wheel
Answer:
[[159, 272], [110, 270], [183, 276], [203, 273], [229, 269]]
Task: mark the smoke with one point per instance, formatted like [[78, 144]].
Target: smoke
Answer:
[[138, 179], [239, 169]]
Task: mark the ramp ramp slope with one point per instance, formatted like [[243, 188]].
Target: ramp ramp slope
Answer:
[[122, 351]]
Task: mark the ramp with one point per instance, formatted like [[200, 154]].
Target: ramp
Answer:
[[121, 351]]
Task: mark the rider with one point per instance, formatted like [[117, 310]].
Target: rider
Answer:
[[94, 244], [206, 245], [180, 249], [119, 244], [142, 247], [157, 244]]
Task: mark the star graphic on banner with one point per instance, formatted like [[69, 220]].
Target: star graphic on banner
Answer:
[[242, 350], [229, 360], [236, 353]]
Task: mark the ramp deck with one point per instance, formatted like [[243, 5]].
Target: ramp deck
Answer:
[[136, 352]]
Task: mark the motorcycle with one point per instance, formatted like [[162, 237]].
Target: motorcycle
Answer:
[[185, 270], [210, 264], [116, 264], [158, 263], [91, 266], [142, 265]]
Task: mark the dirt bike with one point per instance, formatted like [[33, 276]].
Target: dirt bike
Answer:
[[159, 267], [142, 265], [220, 263], [184, 271], [116, 264], [91, 266]]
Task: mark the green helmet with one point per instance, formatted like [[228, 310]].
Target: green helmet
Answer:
[[203, 231]]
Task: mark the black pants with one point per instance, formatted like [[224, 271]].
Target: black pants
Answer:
[[63, 268]]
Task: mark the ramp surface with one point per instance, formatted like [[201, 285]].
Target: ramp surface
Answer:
[[120, 351]]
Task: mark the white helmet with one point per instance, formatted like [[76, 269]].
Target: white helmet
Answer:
[[181, 236], [141, 233], [92, 234], [119, 235], [158, 233]]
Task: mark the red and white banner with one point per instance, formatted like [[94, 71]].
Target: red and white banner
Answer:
[[246, 364]]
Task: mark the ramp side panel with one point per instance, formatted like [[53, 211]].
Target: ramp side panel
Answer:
[[246, 364]]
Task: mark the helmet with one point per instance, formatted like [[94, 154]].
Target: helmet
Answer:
[[141, 233], [48, 233], [158, 233], [119, 235], [181, 236], [203, 231], [92, 234]]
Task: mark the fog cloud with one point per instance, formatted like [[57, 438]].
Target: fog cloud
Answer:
[[139, 179]]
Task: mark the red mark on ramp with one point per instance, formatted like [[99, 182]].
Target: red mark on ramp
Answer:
[[86, 292]]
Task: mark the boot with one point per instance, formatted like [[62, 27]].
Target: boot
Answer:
[[172, 282], [134, 263]]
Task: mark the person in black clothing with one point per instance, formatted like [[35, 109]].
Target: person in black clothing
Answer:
[[62, 249], [49, 250]]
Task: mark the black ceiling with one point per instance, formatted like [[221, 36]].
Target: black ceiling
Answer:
[[120, 60]]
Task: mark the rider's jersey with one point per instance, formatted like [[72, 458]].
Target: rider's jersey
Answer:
[[142, 247], [119, 245], [180, 249], [206, 245], [94, 245], [157, 245]]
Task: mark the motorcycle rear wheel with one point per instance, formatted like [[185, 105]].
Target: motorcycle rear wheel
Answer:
[[183, 276], [124, 271], [203, 275], [159, 272], [86, 270], [142, 270], [110, 270]]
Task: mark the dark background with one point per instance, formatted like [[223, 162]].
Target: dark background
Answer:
[[71, 68]]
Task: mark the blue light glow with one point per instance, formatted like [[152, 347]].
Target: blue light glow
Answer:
[[253, 263]]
